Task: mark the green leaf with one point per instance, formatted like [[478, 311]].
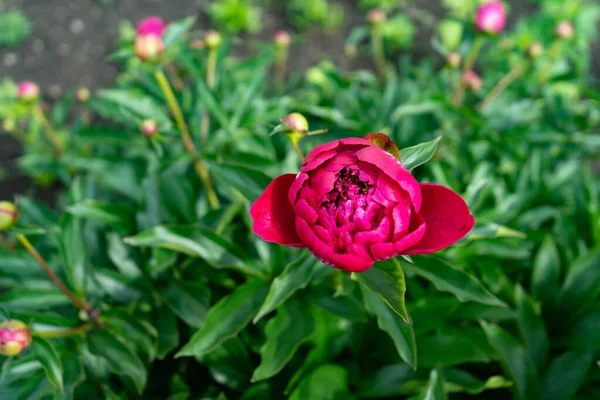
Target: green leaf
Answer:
[[546, 272], [515, 362], [135, 330], [227, 318], [328, 382], [248, 181], [197, 241], [188, 300], [295, 276], [45, 353], [451, 348], [73, 249], [458, 380], [435, 388], [292, 326], [585, 333], [567, 373], [401, 332], [386, 280], [448, 278], [407, 110], [412, 157], [168, 334], [121, 360], [531, 327], [176, 30], [119, 255], [582, 285], [103, 213], [33, 299]]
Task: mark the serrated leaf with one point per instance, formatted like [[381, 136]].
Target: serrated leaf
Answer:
[[45, 353]]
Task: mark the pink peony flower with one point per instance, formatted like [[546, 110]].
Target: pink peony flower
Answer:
[[151, 26], [15, 337], [28, 90], [353, 203], [490, 17]]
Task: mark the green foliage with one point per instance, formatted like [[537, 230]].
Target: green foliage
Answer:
[[235, 16], [14, 27]]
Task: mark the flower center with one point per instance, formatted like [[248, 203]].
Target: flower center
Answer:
[[347, 186]]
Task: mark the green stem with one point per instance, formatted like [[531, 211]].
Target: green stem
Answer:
[[469, 62], [211, 68], [296, 147], [553, 52], [79, 330], [200, 167], [513, 74], [41, 119], [378, 51], [280, 66]]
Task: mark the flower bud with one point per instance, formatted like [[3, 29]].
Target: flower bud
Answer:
[[295, 123], [9, 125], [565, 30], [28, 91], [212, 39], [453, 60], [15, 337], [474, 82], [151, 26], [451, 33], [8, 215], [197, 44], [534, 50], [282, 39], [83, 95], [490, 17], [376, 16], [149, 47], [149, 128]]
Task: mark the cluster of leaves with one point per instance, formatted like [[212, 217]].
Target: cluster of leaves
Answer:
[[14, 27], [193, 305]]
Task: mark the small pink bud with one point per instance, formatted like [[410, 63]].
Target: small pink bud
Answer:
[[490, 17], [151, 26], [565, 30], [15, 337], [28, 91], [197, 44], [282, 39], [149, 47], [295, 123], [83, 94], [535, 49], [376, 16], [474, 82], [149, 128], [454, 60], [8, 215], [212, 39]]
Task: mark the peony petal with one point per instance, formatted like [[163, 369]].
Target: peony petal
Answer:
[[273, 216], [417, 229], [447, 217]]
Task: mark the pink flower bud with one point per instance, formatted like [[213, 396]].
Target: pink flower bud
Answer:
[[149, 47], [282, 39], [15, 337], [490, 17], [149, 128], [212, 39], [376, 16], [8, 215], [535, 49], [565, 30], [197, 44], [296, 123], [83, 94], [151, 26], [454, 60], [28, 91], [474, 82]]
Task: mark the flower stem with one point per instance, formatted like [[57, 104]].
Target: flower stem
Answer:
[[378, 52], [38, 114], [211, 68], [200, 167], [81, 304], [78, 330], [506, 80], [469, 62], [280, 66], [553, 53], [296, 147]]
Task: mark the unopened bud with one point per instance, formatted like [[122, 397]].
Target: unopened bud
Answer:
[[453, 60], [535, 49], [212, 39], [295, 123], [9, 125], [83, 94], [282, 39], [8, 215], [565, 30], [28, 91], [350, 50], [197, 44], [149, 47], [15, 337], [474, 82], [490, 17], [149, 128], [376, 16]]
